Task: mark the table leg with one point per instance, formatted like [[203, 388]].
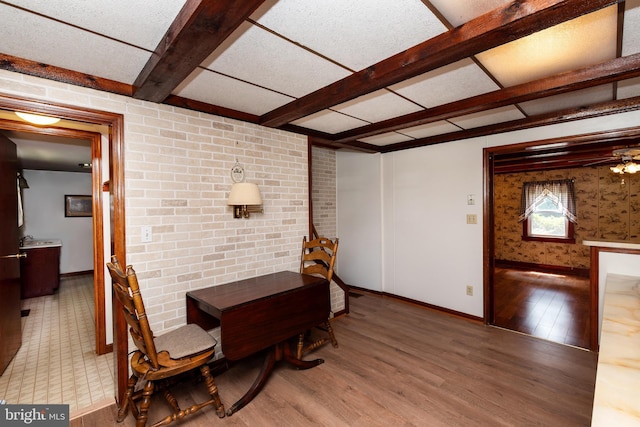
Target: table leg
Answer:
[[280, 351]]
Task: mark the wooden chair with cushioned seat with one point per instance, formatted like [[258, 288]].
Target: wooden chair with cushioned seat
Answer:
[[318, 258], [161, 358]]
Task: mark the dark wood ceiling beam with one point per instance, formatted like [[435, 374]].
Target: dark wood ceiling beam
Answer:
[[502, 25], [200, 27], [567, 115], [607, 72], [203, 107], [63, 75]]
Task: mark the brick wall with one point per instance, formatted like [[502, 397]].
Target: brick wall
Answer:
[[323, 195], [177, 165]]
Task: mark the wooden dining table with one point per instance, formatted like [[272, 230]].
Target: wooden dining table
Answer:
[[262, 313]]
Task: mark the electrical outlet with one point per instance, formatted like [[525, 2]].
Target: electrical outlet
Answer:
[[472, 219], [146, 234], [470, 290]]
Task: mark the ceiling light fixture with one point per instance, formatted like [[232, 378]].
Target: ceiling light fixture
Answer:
[[37, 119], [627, 166]]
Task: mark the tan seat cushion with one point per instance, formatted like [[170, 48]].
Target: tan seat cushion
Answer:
[[185, 341]]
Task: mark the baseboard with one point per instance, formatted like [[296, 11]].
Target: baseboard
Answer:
[[545, 268], [76, 273], [417, 303]]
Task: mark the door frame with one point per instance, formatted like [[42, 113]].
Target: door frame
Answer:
[[115, 123], [489, 153]]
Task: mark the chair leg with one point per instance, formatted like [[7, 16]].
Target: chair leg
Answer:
[[123, 410], [334, 341], [213, 390], [143, 411]]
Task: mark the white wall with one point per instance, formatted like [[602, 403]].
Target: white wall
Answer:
[[44, 216], [428, 252], [360, 220]]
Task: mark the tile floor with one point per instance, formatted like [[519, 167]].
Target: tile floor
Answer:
[[57, 362]]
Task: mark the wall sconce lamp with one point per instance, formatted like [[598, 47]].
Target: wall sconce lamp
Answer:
[[245, 198]]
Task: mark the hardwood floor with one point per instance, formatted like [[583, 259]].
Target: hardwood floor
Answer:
[[549, 306], [404, 365]]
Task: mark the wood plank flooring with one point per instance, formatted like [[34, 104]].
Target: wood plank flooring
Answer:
[[549, 306], [404, 365]]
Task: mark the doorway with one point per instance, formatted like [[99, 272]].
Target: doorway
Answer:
[[113, 187], [569, 152]]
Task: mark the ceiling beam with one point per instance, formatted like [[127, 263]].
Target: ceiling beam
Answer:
[[606, 72], [567, 115], [200, 27], [502, 25], [63, 75]]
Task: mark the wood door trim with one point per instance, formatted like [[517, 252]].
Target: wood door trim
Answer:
[[115, 122], [489, 225]]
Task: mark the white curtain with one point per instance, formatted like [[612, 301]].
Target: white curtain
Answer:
[[561, 192]]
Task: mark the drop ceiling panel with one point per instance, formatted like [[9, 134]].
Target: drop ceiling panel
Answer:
[[629, 88], [453, 82], [138, 22], [631, 35], [457, 12], [489, 117], [355, 33], [216, 89], [329, 121], [250, 53], [580, 42], [61, 45], [377, 106], [431, 129], [386, 139], [568, 100]]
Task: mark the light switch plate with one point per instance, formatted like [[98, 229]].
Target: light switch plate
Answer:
[[146, 234], [472, 219]]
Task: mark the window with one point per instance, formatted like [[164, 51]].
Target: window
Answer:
[[548, 211]]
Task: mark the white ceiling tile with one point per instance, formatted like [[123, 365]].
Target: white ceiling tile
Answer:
[[207, 86], [431, 129], [138, 22], [355, 33], [575, 99], [489, 117], [631, 32], [583, 41], [457, 12], [386, 139], [64, 46], [377, 106], [629, 88], [249, 55], [329, 121], [453, 82]]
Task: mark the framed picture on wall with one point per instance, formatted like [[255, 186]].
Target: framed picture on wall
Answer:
[[75, 206]]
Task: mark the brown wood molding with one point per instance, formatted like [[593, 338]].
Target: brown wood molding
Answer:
[[203, 107], [502, 25], [200, 27], [418, 303], [544, 268], [38, 69], [115, 122]]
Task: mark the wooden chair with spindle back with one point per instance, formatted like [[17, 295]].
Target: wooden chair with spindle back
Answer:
[[318, 258], [159, 359]]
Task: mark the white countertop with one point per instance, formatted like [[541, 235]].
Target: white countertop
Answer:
[[41, 243], [611, 244], [616, 399]]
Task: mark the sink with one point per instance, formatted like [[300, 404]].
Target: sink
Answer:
[[40, 243]]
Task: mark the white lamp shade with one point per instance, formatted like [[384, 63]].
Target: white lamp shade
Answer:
[[244, 193]]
